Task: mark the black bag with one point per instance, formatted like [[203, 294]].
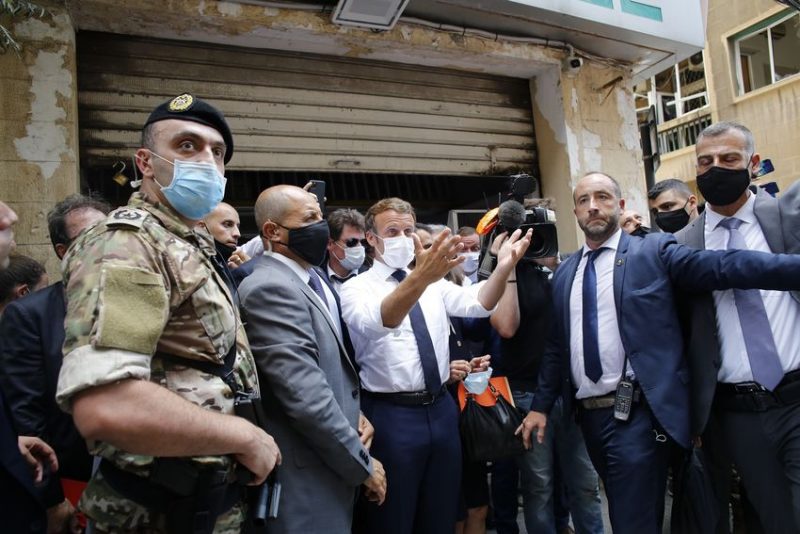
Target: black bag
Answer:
[[694, 507], [487, 432]]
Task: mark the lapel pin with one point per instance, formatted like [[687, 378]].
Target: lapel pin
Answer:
[[620, 261]]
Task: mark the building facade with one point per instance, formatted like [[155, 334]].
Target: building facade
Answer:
[[748, 72], [430, 110]]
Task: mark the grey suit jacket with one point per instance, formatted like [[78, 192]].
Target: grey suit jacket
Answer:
[[310, 393], [790, 218], [699, 315]]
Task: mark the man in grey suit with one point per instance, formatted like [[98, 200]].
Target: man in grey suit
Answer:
[[742, 347], [309, 387], [790, 218]]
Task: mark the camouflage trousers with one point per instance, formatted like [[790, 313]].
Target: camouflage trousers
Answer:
[[112, 513]]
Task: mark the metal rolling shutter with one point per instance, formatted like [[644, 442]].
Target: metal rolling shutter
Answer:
[[301, 112]]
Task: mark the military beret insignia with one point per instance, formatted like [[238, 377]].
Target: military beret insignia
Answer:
[[186, 107], [181, 102]]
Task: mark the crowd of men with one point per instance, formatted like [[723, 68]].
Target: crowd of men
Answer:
[[179, 381]]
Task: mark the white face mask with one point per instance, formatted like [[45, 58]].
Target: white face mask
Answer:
[[353, 257], [470, 265], [397, 251]]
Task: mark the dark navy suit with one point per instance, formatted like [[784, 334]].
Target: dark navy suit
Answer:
[[23, 511], [31, 340], [647, 274]]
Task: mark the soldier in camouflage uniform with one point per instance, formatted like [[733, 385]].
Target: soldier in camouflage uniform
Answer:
[[150, 323]]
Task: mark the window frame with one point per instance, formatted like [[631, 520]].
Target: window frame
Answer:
[[765, 24]]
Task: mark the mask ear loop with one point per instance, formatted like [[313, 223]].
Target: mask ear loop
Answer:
[[136, 182]]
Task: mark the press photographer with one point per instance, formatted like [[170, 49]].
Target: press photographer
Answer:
[[523, 320]]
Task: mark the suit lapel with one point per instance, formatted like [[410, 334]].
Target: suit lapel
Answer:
[[344, 340], [696, 233], [571, 266], [620, 263], [769, 218], [312, 297]]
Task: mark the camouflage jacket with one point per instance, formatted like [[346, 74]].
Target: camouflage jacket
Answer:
[[139, 284]]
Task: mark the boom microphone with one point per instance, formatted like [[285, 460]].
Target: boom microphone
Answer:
[[511, 214]]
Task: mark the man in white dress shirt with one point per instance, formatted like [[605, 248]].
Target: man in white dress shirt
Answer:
[[398, 324]]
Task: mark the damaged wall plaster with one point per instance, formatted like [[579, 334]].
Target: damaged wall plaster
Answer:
[[51, 89], [46, 137]]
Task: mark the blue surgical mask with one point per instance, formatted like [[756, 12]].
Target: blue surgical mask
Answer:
[[353, 257], [197, 188], [476, 383]]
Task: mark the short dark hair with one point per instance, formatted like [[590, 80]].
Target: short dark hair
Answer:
[[614, 183], [21, 270], [57, 217], [720, 128], [466, 231], [667, 185], [148, 137], [338, 219], [392, 203]]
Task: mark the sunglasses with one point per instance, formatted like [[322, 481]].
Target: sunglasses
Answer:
[[354, 242]]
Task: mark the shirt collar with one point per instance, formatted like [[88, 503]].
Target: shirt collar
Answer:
[[332, 274], [746, 213], [383, 271], [612, 243], [291, 264]]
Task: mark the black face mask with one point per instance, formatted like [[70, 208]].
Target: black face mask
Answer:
[[720, 186], [310, 242], [672, 221], [224, 250], [641, 231]]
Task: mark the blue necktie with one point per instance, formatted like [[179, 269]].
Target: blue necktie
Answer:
[[758, 341], [591, 346], [427, 355], [316, 285]]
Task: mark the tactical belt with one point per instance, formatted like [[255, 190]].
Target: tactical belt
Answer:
[[607, 401], [753, 397], [411, 398], [191, 498]]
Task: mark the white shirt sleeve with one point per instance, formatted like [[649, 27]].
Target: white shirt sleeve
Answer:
[[363, 315], [460, 301], [254, 247]]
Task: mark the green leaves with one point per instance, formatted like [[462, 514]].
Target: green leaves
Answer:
[[16, 8]]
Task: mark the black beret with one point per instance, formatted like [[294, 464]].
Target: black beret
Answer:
[[189, 108]]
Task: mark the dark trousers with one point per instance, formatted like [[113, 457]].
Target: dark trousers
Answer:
[[420, 449], [632, 464], [765, 446], [505, 495]]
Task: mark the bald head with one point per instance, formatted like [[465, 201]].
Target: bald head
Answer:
[[274, 202], [223, 224], [283, 208]]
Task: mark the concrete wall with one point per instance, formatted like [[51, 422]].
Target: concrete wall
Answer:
[[38, 127], [772, 112], [584, 122]]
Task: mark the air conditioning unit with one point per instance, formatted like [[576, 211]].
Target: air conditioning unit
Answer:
[[373, 14]]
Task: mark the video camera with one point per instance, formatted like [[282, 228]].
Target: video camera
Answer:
[[512, 214]]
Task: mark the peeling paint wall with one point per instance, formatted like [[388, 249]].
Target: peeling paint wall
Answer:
[[586, 122], [38, 138], [583, 122]]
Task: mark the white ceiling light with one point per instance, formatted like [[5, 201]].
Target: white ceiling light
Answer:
[[375, 14]]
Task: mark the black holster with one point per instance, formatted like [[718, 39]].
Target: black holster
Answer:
[[190, 498]]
